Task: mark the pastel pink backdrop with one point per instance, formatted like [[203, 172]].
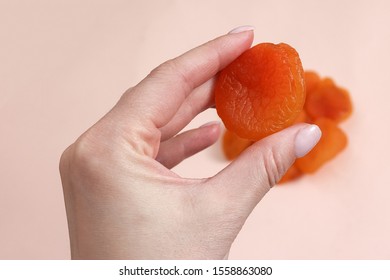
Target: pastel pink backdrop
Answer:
[[63, 64]]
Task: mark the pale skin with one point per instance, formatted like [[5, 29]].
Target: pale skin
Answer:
[[123, 201]]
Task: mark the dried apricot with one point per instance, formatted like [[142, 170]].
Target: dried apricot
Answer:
[[302, 118], [312, 79], [262, 91], [329, 101], [233, 145], [248, 105], [332, 142]]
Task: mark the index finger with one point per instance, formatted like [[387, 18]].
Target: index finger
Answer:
[[162, 92]]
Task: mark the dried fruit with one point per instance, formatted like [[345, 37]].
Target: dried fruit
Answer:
[[262, 91], [332, 142], [302, 118], [233, 145], [329, 101], [252, 99], [312, 79]]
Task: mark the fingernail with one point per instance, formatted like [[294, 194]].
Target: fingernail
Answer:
[[210, 123], [306, 139], [242, 29]]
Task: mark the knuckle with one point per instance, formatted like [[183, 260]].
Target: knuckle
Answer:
[[275, 166], [81, 158], [64, 161], [83, 152], [163, 69], [175, 72]]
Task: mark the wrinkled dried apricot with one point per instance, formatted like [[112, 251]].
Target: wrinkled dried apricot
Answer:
[[332, 142], [329, 101], [233, 145], [333, 139], [262, 91], [326, 105]]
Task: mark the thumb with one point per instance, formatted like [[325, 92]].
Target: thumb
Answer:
[[248, 178]]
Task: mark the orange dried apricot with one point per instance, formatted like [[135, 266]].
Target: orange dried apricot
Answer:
[[312, 79], [329, 101], [302, 117], [249, 106], [262, 91], [332, 142], [233, 145]]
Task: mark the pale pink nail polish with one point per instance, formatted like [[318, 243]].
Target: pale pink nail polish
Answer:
[[242, 29], [306, 139]]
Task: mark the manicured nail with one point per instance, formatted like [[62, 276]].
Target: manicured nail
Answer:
[[306, 139], [210, 123], [242, 29]]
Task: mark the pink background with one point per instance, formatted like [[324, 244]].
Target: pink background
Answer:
[[63, 64]]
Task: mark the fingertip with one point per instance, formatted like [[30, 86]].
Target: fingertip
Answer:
[[212, 123], [214, 129], [243, 28], [306, 139], [245, 35]]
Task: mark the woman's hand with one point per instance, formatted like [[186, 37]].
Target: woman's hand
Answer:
[[122, 199]]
